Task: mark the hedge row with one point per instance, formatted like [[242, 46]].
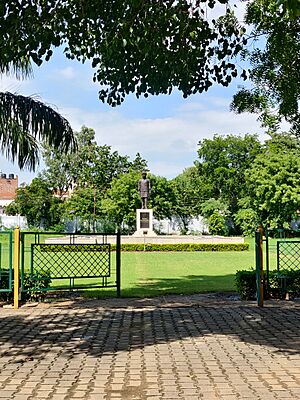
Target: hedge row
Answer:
[[184, 247], [245, 282]]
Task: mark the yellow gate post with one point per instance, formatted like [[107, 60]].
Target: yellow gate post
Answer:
[[16, 266]]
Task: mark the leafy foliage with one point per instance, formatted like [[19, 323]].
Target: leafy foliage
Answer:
[[275, 68], [122, 199], [245, 283], [37, 204], [217, 224], [29, 284], [184, 247], [189, 190], [91, 166], [273, 181], [142, 48], [223, 162]]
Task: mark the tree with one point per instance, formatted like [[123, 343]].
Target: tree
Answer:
[[37, 203], [275, 67], [24, 121], [273, 181], [189, 192], [136, 47], [91, 166], [216, 224], [223, 162], [84, 204], [247, 219], [162, 197], [122, 200]]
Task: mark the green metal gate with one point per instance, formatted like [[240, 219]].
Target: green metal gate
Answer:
[[6, 267], [64, 261], [288, 255]]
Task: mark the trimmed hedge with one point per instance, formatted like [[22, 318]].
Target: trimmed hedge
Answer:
[[183, 247], [245, 282]]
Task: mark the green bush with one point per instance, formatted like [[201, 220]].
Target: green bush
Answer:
[[183, 247], [29, 285], [289, 278], [245, 282]]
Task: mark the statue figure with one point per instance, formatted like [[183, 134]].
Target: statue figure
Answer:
[[144, 189]]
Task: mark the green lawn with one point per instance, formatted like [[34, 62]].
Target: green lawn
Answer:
[[157, 273], [152, 274]]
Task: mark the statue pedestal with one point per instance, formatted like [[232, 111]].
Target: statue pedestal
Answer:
[[144, 222]]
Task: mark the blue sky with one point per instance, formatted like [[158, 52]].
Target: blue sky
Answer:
[[164, 129]]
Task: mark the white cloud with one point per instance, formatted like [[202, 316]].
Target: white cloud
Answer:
[[169, 144], [10, 84], [67, 73]]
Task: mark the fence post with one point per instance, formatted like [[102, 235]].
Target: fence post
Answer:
[[118, 263], [267, 263], [259, 266], [16, 266]]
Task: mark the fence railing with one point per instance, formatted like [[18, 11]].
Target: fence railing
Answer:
[[281, 250], [44, 261], [288, 255], [6, 259], [60, 261]]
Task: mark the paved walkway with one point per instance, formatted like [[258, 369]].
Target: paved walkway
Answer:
[[197, 347]]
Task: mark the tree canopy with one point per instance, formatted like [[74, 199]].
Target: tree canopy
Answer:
[[136, 47], [223, 162], [273, 181], [275, 63]]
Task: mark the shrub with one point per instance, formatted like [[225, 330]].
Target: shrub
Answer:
[[29, 285], [216, 224], [183, 247], [245, 282], [288, 278], [280, 283]]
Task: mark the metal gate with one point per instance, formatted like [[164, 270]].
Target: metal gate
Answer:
[[67, 261], [282, 257], [6, 266], [288, 255]]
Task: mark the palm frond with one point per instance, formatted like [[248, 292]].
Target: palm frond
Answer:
[[24, 122], [19, 69], [19, 146]]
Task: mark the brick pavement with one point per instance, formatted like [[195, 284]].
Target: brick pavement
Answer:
[[173, 347]]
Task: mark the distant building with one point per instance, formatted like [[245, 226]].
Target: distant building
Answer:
[[8, 189]]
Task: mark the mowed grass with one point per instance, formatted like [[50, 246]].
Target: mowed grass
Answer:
[[153, 274], [146, 274]]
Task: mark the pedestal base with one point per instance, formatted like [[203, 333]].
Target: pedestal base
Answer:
[[144, 222]]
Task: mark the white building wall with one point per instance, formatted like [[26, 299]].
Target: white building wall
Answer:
[[11, 221], [197, 226]]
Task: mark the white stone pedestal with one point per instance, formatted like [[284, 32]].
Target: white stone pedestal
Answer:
[[144, 222]]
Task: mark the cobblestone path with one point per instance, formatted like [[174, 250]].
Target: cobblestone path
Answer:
[[166, 348]]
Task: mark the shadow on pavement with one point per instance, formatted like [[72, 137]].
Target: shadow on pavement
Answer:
[[95, 328]]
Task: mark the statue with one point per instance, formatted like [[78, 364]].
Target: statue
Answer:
[[144, 189]]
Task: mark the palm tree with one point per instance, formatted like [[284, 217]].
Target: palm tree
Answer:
[[25, 122]]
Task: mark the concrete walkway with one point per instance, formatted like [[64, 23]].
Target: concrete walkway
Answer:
[[196, 347]]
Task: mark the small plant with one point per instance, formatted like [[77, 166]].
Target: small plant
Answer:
[[33, 287], [245, 282]]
